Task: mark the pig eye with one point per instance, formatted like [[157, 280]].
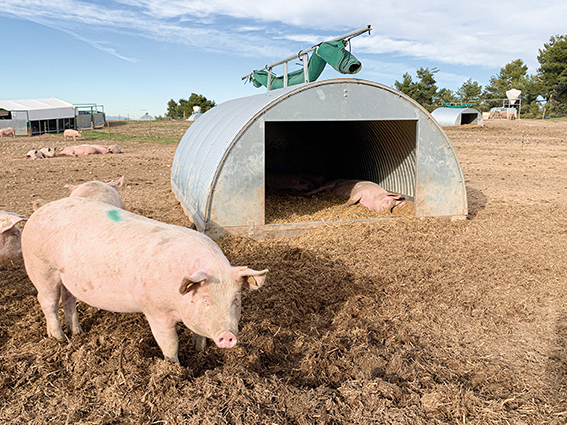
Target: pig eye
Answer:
[[237, 299], [206, 301]]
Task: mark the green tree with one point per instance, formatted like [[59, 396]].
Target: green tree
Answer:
[[445, 96], [184, 108], [552, 74], [424, 90], [511, 76], [469, 92]]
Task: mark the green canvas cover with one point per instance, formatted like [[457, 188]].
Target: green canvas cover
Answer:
[[333, 53]]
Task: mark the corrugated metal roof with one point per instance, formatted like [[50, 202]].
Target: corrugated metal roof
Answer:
[[208, 140], [346, 128]]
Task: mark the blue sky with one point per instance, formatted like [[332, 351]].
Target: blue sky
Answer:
[[134, 56]]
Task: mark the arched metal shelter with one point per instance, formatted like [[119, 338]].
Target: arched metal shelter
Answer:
[[339, 128], [452, 117]]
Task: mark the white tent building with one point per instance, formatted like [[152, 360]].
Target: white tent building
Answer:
[[37, 116]]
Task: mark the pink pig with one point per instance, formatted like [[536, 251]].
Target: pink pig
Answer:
[[99, 191], [367, 193], [10, 237], [35, 154], [8, 131], [48, 152], [71, 133], [79, 150], [79, 248]]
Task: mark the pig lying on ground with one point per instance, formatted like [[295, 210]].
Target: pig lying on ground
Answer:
[[99, 191], [280, 181], [79, 150], [89, 150], [10, 237], [367, 193], [71, 133], [48, 152], [79, 248], [8, 131], [35, 154]]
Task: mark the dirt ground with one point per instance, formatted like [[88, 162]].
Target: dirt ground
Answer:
[[405, 321]]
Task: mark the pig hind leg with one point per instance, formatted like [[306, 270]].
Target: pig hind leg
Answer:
[[48, 295], [70, 308]]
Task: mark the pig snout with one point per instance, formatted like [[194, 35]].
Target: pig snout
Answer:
[[226, 340]]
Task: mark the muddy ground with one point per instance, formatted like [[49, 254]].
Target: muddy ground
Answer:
[[398, 322]]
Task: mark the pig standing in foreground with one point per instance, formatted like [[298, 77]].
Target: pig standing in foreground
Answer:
[[10, 237], [99, 191], [79, 248], [367, 193]]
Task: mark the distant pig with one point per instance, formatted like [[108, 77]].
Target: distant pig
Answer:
[[99, 191], [10, 237], [35, 154], [281, 181], [79, 248], [101, 148], [367, 193], [71, 133], [48, 152], [8, 131], [79, 150]]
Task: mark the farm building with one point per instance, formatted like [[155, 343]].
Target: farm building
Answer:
[[454, 116], [338, 128], [38, 116]]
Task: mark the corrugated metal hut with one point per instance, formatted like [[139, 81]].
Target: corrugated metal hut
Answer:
[[339, 128], [453, 117]]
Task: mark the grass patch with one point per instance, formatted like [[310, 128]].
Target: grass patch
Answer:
[[118, 137]]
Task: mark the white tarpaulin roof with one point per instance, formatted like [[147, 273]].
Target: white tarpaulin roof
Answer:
[[40, 109]]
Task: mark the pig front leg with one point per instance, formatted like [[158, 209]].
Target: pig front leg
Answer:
[[166, 336], [70, 308], [199, 342]]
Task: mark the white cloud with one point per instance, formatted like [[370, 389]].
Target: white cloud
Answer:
[[484, 33]]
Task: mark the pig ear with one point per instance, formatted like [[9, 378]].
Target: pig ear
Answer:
[[252, 279], [189, 283], [117, 184], [71, 187], [7, 221]]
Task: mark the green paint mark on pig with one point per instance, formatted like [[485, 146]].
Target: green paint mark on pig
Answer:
[[114, 215]]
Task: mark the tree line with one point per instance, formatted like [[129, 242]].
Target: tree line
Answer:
[[184, 108], [542, 93]]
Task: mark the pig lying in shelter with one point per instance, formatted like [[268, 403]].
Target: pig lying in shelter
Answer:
[[367, 193], [79, 248], [10, 237]]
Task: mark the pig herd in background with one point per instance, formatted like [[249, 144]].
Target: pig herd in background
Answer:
[[68, 151], [73, 151], [88, 247]]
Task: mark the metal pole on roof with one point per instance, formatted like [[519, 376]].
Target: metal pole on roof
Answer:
[[349, 35]]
